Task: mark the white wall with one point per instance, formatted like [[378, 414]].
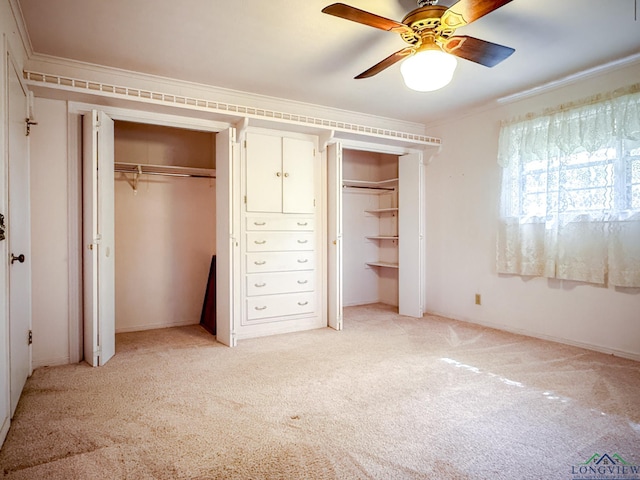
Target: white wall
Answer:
[[49, 231], [165, 236], [462, 196]]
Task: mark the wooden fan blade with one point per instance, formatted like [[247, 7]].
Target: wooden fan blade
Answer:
[[360, 16], [467, 11], [386, 63], [478, 51]]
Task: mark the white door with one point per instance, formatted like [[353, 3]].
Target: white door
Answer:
[[19, 234], [334, 179], [298, 179], [98, 238], [226, 243], [264, 172], [410, 232]]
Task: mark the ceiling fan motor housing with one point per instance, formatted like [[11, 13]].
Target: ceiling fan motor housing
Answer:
[[425, 22]]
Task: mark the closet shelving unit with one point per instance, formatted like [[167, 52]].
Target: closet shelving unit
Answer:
[[381, 187]]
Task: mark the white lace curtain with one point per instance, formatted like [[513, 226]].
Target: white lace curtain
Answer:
[[570, 205]]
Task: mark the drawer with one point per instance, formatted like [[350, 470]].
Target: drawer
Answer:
[[285, 282], [280, 223], [278, 262], [280, 241], [280, 305]]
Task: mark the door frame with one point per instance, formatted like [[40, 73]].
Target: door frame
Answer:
[[334, 217], [75, 112]]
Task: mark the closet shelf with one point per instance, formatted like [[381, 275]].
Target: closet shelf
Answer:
[[389, 184], [146, 169], [383, 210], [383, 237], [383, 264]]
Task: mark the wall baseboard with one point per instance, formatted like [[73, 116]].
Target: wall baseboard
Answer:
[[51, 362], [154, 326], [550, 338]]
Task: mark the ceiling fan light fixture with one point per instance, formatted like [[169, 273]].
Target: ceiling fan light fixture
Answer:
[[428, 70]]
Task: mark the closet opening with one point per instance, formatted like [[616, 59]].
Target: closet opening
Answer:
[[165, 224], [370, 239]]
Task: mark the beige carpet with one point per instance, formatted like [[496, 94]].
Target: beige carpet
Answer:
[[389, 397]]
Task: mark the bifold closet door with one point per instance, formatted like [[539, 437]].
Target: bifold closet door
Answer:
[[226, 243], [335, 281], [410, 231], [98, 238]]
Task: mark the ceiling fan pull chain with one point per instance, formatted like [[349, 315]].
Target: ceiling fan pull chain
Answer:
[[424, 3]]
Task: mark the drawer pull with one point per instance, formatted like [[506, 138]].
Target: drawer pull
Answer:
[[303, 224], [302, 304], [259, 224], [260, 285], [261, 308], [302, 282], [303, 241], [260, 262], [259, 242], [303, 260]]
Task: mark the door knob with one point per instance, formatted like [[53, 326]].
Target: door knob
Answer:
[[19, 258]]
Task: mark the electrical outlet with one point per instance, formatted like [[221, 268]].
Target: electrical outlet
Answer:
[[478, 299]]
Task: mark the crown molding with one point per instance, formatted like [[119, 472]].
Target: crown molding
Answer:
[[64, 67], [570, 79]]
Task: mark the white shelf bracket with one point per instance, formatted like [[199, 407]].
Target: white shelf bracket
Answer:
[[430, 154], [325, 138], [241, 128]]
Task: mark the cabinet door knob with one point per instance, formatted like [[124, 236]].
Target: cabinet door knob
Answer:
[[278, 174], [259, 242], [286, 174]]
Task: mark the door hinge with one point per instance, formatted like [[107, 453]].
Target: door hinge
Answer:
[[245, 199], [245, 144], [30, 337]]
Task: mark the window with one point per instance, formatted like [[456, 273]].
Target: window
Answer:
[[570, 204]]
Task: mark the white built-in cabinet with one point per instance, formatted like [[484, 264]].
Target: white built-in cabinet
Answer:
[[281, 252]]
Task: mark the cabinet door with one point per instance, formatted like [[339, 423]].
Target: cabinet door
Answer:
[[297, 176], [264, 173]]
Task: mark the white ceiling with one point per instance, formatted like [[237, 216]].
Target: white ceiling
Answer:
[[289, 49]]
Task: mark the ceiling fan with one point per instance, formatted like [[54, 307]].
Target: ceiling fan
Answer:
[[429, 31]]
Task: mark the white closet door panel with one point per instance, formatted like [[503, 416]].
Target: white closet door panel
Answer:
[[277, 262], [264, 173], [410, 204], [226, 253], [335, 285], [270, 306], [99, 238], [297, 176], [280, 223], [280, 241], [284, 282]]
